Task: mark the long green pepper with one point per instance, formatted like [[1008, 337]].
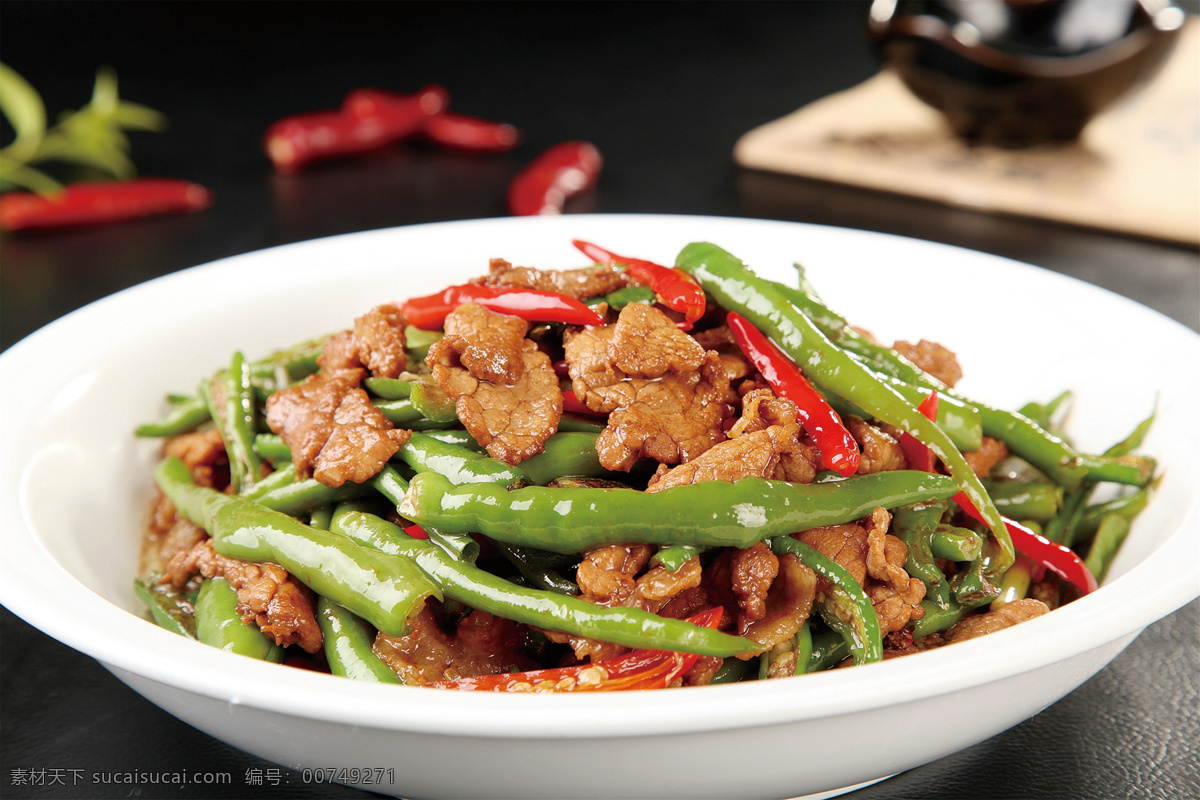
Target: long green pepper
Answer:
[[713, 514], [385, 591], [737, 288], [479, 589]]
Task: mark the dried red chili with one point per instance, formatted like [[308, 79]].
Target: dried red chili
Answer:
[[101, 203], [558, 174], [462, 132], [368, 120]]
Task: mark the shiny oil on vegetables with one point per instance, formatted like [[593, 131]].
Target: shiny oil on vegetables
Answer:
[[621, 476]]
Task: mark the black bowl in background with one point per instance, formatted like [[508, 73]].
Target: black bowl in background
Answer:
[[1015, 73]]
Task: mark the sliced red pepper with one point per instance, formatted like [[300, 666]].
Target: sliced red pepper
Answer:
[[572, 405], [839, 451], [639, 669], [101, 203], [462, 132], [429, 312], [674, 288], [1059, 559], [416, 532], [552, 178], [919, 456]]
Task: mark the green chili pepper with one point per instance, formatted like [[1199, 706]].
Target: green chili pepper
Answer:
[[846, 607], [270, 447], [184, 416], [915, 525], [732, 670], [300, 496], [737, 288], [530, 564], [936, 618], [388, 388], [1024, 437], [1127, 506], [482, 590], [829, 649], [432, 403], [387, 592], [674, 556], [170, 608], [347, 641], [713, 513], [1109, 536], [802, 644], [956, 544], [219, 624], [241, 421], [1022, 500], [579, 423], [630, 294], [418, 341], [457, 464], [564, 455]]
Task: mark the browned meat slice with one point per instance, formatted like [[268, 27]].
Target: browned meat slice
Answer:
[[787, 605], [879, 446], [875, 559], [511, 420], [267, 594], [609, 576], [1006, 616], [933, 358], [362, 441], [481, 645], [990, 453], [376, 342], [577, 283], [330, 425], [799, 462], [488, 345], [380, 335], [671, 420], [647, 344], [751, 454], [202, 451], [752, 571]]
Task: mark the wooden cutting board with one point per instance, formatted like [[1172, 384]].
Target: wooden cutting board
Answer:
[[1135, 170]]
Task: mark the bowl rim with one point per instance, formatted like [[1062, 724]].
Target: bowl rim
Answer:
[[122, 640]]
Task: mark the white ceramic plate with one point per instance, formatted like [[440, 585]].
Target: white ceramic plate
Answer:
[[75, 485]]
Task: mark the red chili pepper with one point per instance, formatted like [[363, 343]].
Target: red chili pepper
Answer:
[[552, 178], [101, 203], [639, 669], [673, 287], [919, 456], [368, 120], [1059, 559], [400, 114], [839, 451], [429, 312], [572, 405], [416, 532], [461, 132]]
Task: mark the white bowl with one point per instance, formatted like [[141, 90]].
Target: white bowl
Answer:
[[76, 484]]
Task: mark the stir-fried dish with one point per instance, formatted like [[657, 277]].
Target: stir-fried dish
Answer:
[[621, 476]]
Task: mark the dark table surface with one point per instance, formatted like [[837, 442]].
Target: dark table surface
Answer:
[[664, 89]]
